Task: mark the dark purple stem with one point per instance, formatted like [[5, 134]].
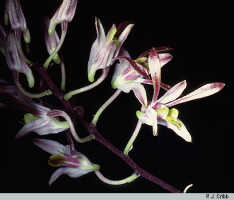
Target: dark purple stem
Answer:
[[99, 138]]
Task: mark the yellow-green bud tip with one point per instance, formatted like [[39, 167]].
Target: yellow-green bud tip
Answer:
[[91, 76]]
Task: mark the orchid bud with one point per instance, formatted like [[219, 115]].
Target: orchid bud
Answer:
[[64, 13], [52, 41], [15, 60], [16, 17]]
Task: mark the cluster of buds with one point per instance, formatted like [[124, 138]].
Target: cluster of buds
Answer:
[[129, 75]]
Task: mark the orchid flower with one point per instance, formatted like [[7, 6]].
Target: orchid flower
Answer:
[[159, 110], [15, 60], [41, 123], [106, 47], [64, 13], [72, 163], [14, 14], [127, 78]]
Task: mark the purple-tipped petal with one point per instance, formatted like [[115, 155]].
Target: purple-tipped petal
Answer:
[[155, 72], [164, 58], [204, 91], [50, 146], [140, 94], [173, 93]]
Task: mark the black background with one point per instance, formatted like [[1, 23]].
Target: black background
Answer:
[[200, 37]]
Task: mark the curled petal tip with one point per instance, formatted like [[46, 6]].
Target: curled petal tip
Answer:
[[187, 188]]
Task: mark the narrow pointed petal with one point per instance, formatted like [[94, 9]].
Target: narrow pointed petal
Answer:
[[57, 174], [50, 146], [180, 131], [155, 72], [165, 58], [135, 66], [101, 37], [173, 93], [123, 36], [73, 172], [155, 125], [33, 126], [111, 33], [140, 94], [204, 91]]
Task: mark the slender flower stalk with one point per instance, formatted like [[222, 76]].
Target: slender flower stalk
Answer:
[[104, 106], [63, 76], [29, 94], [129, 145], [51, 41], [116, 182], [53, 55], [70, 94], [59, 113]]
